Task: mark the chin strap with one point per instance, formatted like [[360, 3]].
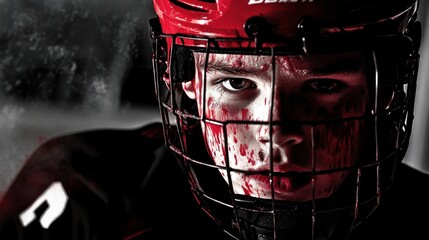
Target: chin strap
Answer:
[[259, 226], [294, 222]]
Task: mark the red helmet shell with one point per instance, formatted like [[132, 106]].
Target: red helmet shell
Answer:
[[227, 18]]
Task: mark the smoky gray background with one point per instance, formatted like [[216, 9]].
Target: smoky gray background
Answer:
[[68, 66], [418, 152], [75, 65]]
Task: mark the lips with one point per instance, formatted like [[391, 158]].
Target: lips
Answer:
[[292, 181]]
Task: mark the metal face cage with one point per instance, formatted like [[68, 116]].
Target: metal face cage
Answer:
[[384, 142]]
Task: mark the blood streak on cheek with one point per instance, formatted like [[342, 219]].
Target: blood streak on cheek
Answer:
[[245, 116], [209, 102], [245, 113], [224, 113], [247, 188], [210, 106], [251, 160], [213, 111], [243, 149], [216, 140], [217, 113]]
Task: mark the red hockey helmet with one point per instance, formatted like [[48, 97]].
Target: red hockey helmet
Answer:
[[278, 20], [189, 35]]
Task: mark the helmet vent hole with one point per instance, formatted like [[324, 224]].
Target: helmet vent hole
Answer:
[[196, 5]]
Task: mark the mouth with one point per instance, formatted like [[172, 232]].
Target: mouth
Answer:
[[287, 183]]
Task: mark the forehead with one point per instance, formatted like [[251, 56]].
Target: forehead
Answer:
[[329, 62]]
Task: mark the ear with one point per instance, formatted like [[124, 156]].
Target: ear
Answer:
[[189, 88]]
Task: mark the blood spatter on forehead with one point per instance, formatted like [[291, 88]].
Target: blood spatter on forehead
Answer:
[[238, 63], [265, 67]]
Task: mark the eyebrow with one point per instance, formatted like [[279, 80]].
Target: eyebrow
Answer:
[[338, 65], [223, 67]]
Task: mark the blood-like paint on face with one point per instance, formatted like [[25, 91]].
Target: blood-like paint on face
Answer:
[[306, 89]]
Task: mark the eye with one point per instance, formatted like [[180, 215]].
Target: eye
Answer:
[[324, 85], [238, 84]]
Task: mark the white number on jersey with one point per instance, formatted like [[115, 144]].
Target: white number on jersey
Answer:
[[56, 198]]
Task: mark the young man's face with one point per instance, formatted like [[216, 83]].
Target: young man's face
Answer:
[[306, 90]]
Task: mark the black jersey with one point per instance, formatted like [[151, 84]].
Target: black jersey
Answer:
[[104, 184], [123, 185]]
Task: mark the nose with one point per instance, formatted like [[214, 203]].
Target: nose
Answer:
[[281, 140], [285, 130], [282, 136]]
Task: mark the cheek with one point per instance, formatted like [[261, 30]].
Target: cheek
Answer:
[[326, 185], [215, 142], [197, 89], [352, 104], [219, 112], [225, 111], [338, 144], [319, 107], [242, 148]]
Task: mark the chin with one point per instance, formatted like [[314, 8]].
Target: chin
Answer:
[[303, 194]]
